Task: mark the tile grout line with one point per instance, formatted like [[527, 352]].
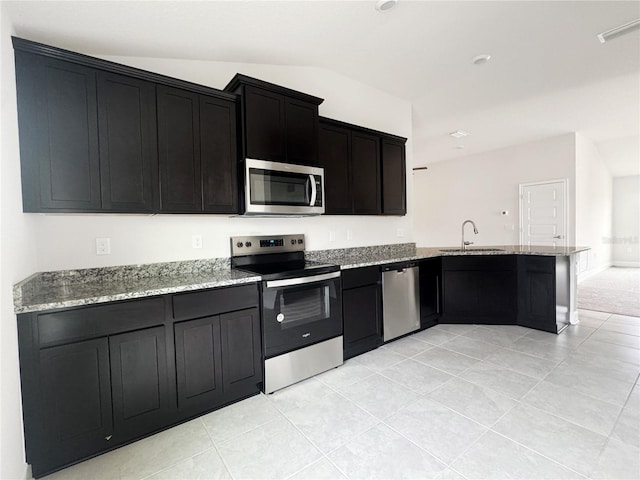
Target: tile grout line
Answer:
[[215, 446]]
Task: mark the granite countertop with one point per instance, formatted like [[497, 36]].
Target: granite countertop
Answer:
[[368, 256], [72, 288]]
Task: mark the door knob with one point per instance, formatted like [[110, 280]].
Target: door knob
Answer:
[[557, 236]]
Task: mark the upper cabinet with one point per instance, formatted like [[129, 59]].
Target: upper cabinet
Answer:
[[365, 172], [96, 136], [278, 124]]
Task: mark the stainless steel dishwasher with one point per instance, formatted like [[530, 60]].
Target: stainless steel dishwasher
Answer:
[[400, 299]]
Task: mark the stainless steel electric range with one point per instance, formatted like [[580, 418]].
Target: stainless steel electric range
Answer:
[[301, 303]]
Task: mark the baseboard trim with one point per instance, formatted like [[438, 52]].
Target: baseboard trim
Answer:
[[626, 264], [590, 273]]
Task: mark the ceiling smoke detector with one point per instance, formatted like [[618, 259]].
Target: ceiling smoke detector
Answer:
[[385, 5], [481, 59], [618, 31], [458, 134]]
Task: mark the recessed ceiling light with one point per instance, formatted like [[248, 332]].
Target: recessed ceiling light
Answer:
[[618, 31], [458, 134], [384, 5], [481, 59]]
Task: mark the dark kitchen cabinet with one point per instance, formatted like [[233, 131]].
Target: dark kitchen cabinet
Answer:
[[479, 289], [430, 273], [197, 152], [365, 173], [335, 157], [217, 357], [365, 170], [198, 365], [537, 292], [393, 174], [96, 136], [76, 419], [278, 124], [58, 116], [128, 145], [94, 378], [361, 310], [139, 382]]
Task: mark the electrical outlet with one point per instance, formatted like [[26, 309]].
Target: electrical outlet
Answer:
[[400, 232], [103, 246], [196, 241]]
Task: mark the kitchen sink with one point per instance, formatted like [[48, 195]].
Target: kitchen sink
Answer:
[[453, 250]]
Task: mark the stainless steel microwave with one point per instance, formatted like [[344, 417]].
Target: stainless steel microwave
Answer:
[[273, 188]]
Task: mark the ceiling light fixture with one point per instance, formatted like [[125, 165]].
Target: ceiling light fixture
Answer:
[[385, 5], [618, 31], [481, 59], [458, 134]]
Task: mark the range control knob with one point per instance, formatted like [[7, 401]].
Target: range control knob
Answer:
[[293, 242], [300, 241], [239, 244], [247, 244]]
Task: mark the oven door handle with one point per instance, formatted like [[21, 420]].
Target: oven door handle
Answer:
[[301, 280]]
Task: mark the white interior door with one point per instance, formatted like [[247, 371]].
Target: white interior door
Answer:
[[543, 213]]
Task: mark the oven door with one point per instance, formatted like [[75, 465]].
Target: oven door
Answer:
[[301, 311], [280, 188]]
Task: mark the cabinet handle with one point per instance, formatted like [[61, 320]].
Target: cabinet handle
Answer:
[[438, 294]]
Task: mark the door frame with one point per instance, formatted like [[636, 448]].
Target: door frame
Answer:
[[522, 186]]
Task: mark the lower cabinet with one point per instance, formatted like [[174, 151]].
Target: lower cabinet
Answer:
[[537, 292], [361, 310], [430, 291], [94, 378], [479, 289]]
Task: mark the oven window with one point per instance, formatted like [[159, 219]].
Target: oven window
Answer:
[[278, 188], [303, 306]]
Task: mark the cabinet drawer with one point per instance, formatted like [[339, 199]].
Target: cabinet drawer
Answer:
[[358, 277], [479, 262], [212, 302], [539, 264], [99, 321]]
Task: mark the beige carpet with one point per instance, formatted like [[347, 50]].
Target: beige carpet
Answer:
[[615, 290]]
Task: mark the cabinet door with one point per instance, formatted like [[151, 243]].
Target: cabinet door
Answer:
[[179, 150], [57, 112], [365, 173], [301, 120], [393, 178], [430, 274], [537, 293], [218, 155], [264, 122], [361, 314], [198, 364], [335, 159], [75, 403], [241, 352], [128, 145], [139, 382]]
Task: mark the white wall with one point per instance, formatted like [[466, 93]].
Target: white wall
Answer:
[[17, 260], [478, 187], [593, 207], [68, 241], [626, 221]]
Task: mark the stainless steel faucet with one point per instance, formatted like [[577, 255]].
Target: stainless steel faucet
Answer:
[[475, 230]]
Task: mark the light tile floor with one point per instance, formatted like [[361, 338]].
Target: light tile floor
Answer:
[[451, 402]]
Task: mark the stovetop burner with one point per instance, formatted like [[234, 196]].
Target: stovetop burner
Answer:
[[275, 257]]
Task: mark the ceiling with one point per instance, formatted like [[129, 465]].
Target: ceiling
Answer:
[[548, 74]]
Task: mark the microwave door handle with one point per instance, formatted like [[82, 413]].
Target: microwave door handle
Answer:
[[314, 192]]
